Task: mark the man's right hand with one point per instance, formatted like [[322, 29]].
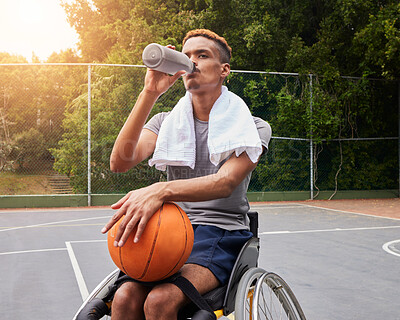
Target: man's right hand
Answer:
[[132, 144], [157, 82]]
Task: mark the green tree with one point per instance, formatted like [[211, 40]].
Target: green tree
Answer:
[[114, 92], [31, 149], [326, 38]]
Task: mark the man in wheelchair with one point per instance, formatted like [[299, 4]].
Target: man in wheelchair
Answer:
[[209, 144]]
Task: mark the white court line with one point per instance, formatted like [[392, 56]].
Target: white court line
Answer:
[[357, 213], [84, 241], [274, 207], [75, 265], [328, 230], [49, 250], [61, 209], [387, 245], [50, 223], [32, 251], [78, 273]]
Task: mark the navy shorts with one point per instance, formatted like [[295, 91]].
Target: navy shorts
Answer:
[[217, 249]]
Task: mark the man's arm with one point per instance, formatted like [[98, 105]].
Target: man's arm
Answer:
[[139, 205], [133, 144]]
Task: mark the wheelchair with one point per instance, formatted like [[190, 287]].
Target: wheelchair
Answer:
[[251, 293]]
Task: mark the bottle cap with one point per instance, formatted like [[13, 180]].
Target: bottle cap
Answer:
[[152, 56]]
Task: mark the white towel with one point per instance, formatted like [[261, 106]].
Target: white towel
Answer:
[[231, 128]]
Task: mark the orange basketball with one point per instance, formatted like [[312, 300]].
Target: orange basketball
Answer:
[[163, 248]]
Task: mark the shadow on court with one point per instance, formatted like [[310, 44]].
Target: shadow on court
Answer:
[[340, 264]]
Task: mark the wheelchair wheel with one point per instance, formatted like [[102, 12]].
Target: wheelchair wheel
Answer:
[[263, 296], [245, 294], [98, 293], [273, 299]]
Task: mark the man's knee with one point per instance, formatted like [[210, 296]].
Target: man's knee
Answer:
[[166, 300], [128, 299]]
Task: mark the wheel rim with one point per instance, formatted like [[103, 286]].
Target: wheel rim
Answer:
[[272, 300], [246, 313]]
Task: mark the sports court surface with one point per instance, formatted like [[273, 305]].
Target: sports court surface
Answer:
[[341, 258]]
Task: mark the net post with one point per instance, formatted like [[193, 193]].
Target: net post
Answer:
[[89, 138], [311, 142]]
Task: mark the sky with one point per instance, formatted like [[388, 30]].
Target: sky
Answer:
[[38, 26]]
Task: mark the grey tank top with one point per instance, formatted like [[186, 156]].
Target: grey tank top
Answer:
[[226, 213]]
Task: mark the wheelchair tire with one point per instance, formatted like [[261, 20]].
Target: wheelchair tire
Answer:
[[263, 295], [245, 293], [98, 293], [273, 299], [93, 310]]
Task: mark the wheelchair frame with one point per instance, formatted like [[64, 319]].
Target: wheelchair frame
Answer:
[[251, 293]]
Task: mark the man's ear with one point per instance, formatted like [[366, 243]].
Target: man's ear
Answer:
[[226, 69]]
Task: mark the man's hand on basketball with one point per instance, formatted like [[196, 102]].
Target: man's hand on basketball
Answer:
[[138, 206]]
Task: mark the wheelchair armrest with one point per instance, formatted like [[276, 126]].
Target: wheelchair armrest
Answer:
[[253, 217], [225, 296], [215, 298], [247, 258]]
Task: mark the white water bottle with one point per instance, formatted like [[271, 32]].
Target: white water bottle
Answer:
[[166, 60]]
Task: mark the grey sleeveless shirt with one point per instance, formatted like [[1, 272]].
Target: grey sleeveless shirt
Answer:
[[226, 213]]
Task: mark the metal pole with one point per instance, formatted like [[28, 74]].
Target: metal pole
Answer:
[[89, 138], [398, 120], [311, 144]]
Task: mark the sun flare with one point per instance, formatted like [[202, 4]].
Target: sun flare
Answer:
[[30, 12], [35, 26]]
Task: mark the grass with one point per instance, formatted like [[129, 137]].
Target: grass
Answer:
[[12, 183]]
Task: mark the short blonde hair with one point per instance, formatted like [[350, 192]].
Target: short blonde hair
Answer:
[[225, 51]]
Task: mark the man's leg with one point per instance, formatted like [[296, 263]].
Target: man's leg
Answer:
[[164, 301], [128, 301]]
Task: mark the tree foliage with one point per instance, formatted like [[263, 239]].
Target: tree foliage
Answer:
[[347, 37], [32, 108], [328, 39]]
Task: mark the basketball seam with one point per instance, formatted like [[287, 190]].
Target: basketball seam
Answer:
[[149, 258], [186, 241], [121, 260]]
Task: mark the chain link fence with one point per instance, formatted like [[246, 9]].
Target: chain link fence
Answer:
[[58, 123]]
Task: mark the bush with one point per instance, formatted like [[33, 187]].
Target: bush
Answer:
[[30, 148]]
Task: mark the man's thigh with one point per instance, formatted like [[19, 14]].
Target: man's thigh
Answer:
[[201, 278]]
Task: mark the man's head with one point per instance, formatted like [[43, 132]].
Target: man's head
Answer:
[[211, 55], [225, 51]]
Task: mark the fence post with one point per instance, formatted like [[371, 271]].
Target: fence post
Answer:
[[311, 143], [89, 138]]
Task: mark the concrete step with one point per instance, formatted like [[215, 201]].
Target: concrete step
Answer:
[[60, 184]]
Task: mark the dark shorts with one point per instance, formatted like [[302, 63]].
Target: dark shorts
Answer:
[[214, 248], [217, 249]]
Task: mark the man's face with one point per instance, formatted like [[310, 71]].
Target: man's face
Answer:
[[210, 72]]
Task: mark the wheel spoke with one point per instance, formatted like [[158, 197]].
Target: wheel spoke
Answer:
[[274, 300], [265, 296]]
